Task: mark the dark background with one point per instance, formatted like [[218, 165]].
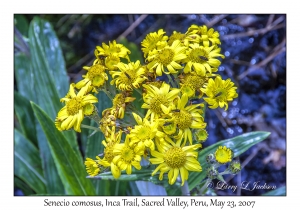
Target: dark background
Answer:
[[254, 46]]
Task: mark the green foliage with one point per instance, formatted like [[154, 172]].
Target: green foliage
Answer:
[[73, 176]]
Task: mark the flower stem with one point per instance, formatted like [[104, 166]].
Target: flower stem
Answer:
[[108, 94], [90, 127], [171, 81], [204, 186], [185, 189], [137, 90]]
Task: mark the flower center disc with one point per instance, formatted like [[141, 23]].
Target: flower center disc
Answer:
[[74, 105], [166, 56], [127, 154], [156, 102], [183, 119], [95, 71], [175, 157], [143, 133], [198, 55], [108, 153], [128, 77]]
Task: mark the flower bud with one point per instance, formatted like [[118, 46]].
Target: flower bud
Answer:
[[235, 167], [212, 173], [210, 158]]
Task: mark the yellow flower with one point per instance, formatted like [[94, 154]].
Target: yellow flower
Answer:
[[127, 156], [192, 83], [205, 35], [151, 41], [111, 61], [223, 155], [113, 49], [92, 167], [183, 38], [130, 76], [96, 74], [175, 160], [109, 144], [108, 121], [201, 135], [169, 57], [144, 133], [187, 118], [72, 114], [202, 59], [158, 99], [119, 103], [219, 92]]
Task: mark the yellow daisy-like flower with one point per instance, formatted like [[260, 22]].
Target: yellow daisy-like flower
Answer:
[[92, 167], [152, 40], [187, 118], [144, 133], [175, 160], [130, 76], [109, 144], [127, 156], [206, 36], [158, 100], [219, 92], [223, 155], [111, 61], [169, 57], [202, 59], [190, 83], [96, 75], [113, 49], [72, 114]]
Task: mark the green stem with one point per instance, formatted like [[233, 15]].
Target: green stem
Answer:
[[185, 189], [204, 186], [108, 94], [171, 80], [90, 127], [137, 90]]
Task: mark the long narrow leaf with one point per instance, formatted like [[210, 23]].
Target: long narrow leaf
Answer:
[[27, 164], [25, 117], [70, 167], [49, 73]]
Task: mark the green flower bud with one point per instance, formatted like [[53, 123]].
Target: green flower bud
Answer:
[[212, 173], [235, 167], [201, 135]]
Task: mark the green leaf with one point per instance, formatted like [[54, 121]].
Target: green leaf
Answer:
[[54, 183], [70, 167], [21, 24], [238, 145], [23, 74], [276, 192], [49, 73], [26, 190], [27, 163], [25, 117]]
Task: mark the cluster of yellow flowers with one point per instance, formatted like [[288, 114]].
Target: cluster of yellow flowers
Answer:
[[176, 83]]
